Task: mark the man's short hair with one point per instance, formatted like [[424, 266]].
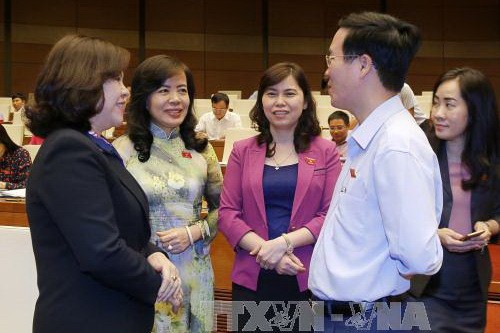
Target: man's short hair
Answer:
[[217, 97], [339, 115], [390, 42], [19, 95]]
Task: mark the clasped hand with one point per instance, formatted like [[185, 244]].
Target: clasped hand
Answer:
[[289, 264], [451, 239], [171, 285], [271, 254], [175, 240]]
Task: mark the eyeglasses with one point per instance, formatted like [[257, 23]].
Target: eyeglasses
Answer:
[[329, 58], [220, 110]]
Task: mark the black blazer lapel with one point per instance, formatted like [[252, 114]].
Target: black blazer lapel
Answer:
[[131, 184], [445, 178], [117, 166]]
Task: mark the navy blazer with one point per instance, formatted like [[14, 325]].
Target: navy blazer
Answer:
[[90, 232], [485, 205]]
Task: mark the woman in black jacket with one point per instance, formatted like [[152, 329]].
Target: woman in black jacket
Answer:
[[97, 271], [465, 138]]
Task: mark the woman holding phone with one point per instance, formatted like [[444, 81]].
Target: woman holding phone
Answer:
[[465, 138]]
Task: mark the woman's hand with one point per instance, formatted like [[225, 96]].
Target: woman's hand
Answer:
[[485, 237], [176, 300], [171, 281], [289, 265], [450, 239], [270, 252], [175, 240]]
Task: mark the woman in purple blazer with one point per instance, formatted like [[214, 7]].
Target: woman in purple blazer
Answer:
[[277, 189]]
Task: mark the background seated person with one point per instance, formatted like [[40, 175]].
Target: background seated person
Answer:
[[338, 122], [216, 123], [15, 163], [18, 102]]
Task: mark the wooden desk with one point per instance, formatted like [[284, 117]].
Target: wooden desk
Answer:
[[218, 147], [13, 213]]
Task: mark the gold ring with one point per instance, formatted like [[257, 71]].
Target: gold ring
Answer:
[[173, 277]]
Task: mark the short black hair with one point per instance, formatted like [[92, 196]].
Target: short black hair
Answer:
[[19, 95], [217, 97], [339, 115], [389, 41]]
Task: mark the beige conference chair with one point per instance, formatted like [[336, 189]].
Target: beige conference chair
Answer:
[[33, 150], [15, 132], [233, 135]]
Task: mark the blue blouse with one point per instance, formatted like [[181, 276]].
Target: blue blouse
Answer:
[[279, 191]]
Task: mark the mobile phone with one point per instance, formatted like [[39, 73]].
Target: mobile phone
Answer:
[[472, 235]]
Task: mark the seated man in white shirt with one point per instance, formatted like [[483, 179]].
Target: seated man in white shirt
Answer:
[[216, 123]]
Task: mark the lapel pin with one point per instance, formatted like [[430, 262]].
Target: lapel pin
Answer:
[[310, 161], [353, 172]]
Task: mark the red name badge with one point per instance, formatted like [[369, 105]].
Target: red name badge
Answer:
[[186, 154], [310, 161]]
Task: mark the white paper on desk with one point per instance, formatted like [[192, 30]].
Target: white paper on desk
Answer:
[[19, 193]]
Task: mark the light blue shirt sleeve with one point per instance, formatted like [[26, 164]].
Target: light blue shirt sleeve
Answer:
[[409, 210]]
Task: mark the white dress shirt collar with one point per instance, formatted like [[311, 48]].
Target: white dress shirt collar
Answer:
[[365, 132]]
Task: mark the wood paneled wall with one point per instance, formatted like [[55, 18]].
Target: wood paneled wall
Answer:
[[221, 40]]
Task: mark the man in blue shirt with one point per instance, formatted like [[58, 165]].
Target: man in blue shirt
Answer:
[[381, 227]]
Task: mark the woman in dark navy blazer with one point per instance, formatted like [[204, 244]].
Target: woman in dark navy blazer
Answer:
[[88, 216], [465, 139]]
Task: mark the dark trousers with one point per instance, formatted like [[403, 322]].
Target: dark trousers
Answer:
[[383, 315], [447, 316], [275, 306]]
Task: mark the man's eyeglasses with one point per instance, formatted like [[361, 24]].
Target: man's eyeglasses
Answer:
[[329, 58]]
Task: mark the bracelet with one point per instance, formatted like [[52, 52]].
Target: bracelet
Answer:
[[201, 230], [189, 235], [289, 245], [207, 228]]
